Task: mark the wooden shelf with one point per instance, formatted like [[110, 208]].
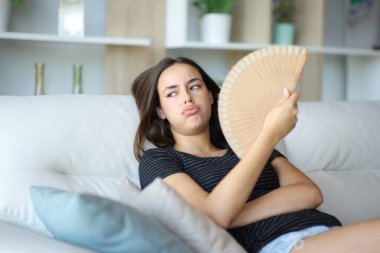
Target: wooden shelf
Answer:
[[236, 46], [140, 42]]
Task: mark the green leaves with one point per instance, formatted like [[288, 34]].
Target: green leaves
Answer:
[[18, 1], [213, 6], [284, 11]]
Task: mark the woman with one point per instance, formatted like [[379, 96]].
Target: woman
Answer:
[[266, 203]]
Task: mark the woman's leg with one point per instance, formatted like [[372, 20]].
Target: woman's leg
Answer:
[[361, 237]]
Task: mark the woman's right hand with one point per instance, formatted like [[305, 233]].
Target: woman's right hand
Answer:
[[282, 118]]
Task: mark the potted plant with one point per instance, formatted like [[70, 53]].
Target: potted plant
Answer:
[[215, 19], [284, 29]]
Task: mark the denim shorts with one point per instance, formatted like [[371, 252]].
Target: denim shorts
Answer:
[[286, 242]]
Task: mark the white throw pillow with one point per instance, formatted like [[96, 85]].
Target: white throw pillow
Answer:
[[161, 202], [15, 203]]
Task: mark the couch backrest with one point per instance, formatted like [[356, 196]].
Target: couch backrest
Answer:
[[72, 134], [337, 145]]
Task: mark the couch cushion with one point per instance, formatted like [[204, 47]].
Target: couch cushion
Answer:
[[351, 196], [71, 134], [16, 206], [337, 145], [161, 202], [336, 136], [14, 239], [81, 143]]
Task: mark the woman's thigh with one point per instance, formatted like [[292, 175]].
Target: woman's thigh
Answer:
[[363, 237]]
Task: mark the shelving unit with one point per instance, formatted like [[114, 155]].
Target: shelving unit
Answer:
[[32, 37], [123, 38], [146, 19], [251, 30], [334, 46]]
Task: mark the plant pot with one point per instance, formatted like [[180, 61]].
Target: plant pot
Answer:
[[4, 15], [283, 34], [216, 28]]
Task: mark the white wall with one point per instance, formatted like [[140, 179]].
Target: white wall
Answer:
[[351, 77], [334, 69], [363, 75], [363, 78]]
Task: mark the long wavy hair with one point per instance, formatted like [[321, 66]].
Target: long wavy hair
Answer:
[[152, 127]]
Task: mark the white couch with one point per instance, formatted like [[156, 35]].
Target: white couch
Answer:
[[84, 143]]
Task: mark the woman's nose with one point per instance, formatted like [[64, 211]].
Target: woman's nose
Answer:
[[187, 98]]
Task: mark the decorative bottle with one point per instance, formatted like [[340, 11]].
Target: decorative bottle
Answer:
[[77, 79], [39, 86]]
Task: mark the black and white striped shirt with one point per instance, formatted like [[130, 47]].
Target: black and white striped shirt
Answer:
[[209, 171]]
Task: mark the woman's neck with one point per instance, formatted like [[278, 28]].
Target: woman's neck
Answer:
[[198, 145]]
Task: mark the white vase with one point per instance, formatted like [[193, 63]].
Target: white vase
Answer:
[[4, 15], [215, 28]]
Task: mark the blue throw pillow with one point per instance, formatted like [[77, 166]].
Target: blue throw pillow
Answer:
[[101, 224]]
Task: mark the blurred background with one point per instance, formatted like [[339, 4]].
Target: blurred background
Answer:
[[114, 40]]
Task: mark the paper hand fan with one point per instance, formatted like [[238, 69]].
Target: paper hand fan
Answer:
[[252, 88]]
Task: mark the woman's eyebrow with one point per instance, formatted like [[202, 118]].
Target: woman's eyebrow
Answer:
[[170, 86], [194, 79]]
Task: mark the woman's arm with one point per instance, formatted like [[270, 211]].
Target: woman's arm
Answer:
[[228, 198], [297, 192]]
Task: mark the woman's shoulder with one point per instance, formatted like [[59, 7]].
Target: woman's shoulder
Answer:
[[153, 151], [157, 162], [159, 153]]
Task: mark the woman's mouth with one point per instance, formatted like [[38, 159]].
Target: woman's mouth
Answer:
[[190, 110]]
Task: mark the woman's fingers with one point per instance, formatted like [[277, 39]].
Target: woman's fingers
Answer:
[[294, 97], [285, 96], [283, 117], [286, 92], [288, 95]]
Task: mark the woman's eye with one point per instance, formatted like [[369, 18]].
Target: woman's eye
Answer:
[[171, 94], [195, 87]]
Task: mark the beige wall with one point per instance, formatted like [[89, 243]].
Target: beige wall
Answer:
[[133, 18]]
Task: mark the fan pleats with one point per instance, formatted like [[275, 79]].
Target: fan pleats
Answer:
[[252, 88]]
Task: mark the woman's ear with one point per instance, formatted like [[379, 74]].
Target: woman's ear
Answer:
[[211, 97], [160, 113]]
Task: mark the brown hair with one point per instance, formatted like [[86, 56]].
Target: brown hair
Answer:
[[152, 127]]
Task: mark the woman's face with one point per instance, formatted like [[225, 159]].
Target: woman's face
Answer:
[[185, 100]]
